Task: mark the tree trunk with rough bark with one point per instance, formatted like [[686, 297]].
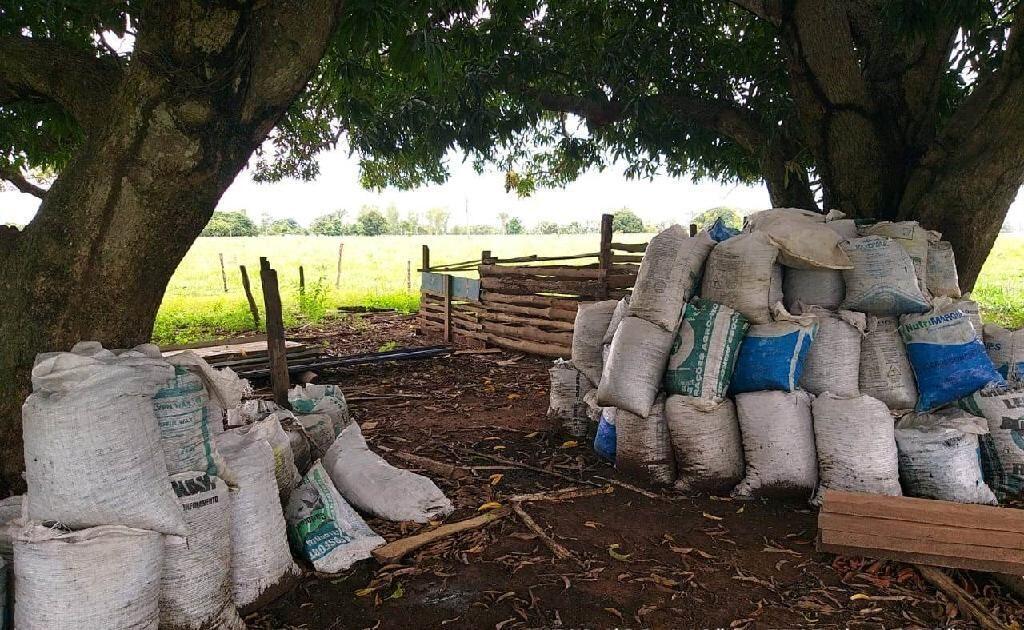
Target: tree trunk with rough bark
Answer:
[[164, 138]]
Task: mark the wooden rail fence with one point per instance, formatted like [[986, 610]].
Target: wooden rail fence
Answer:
[[527, 303]]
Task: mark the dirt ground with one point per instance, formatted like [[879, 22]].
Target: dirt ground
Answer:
[[638, 562]]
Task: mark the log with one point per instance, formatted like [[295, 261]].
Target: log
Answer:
[[560, 552], [543, 313], [566, 494], [536, 258], [559, 271], [276, 349], [554, 324], [964, 600], [255, 312], [531, 347], [542, 301], [528, 286], [634, 248], [395, 551], [529, 333], [448, 471], [627, 258]]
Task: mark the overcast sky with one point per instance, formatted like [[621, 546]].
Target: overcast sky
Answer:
[[472, 198]]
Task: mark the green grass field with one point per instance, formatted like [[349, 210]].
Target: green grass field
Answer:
[[196, 307]]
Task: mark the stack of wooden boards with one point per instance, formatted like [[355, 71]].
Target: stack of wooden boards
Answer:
[[923, 531], [243, 352]]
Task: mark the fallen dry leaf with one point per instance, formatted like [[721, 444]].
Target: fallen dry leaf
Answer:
[[490, 505], [495, 478]]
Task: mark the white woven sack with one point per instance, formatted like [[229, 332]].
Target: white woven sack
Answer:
[[972, 310], [324, 528], [92, 446], [4, 608], [885, 371], [588, 335], [939, 456], [643, 448], [833, 362], [856, 446], [845, 228], [302, 450], [668, 276], [260, 559], [778, 444], [103, 577], [567, 399], [706, 442], [1002, 450], [636, 364], [913, 239], [942, 277], [741, 273], [883, 280], [10, 511], [757, 221], [1006, 349], [812, 287], [620, 313], [322, 399], [320, 429], [804, 244], [270, 430], [374, 486], [195, 584]]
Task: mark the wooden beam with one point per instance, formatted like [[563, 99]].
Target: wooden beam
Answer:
[[276, 350], [448, 308], [693, 230], [527, 286], [542, 272], [544, 301], [633, 248], [531, 347], [529, 333], [255, 312], [605, 257], [395, 551], [543, 313]]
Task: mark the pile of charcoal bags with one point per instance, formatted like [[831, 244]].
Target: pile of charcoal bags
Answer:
[[157, 498], [805, 353]]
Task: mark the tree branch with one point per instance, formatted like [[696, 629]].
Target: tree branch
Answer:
[[80, 82], [13, 175]]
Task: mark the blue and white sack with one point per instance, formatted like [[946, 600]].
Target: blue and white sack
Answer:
[[772, 355], [1002, 450], [949, 360], [604, 441], [882, 281], [1006, 349]]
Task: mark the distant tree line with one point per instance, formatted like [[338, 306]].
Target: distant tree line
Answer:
[[372, 221]]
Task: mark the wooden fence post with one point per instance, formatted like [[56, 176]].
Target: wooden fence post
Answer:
[[248, 296], [337, 278], [605, 253], [425, 266], [276, 350], [302, 281], [448, 281], [693, 230], [223, 273], [408, 275]]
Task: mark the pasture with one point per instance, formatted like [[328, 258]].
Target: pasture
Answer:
[[374, 273]]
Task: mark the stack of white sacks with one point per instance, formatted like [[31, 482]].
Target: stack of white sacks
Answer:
[[142, 511], [803, 354]]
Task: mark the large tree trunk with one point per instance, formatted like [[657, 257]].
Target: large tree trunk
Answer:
[[203, 89]]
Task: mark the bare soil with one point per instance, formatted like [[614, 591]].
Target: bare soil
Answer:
[[668, 562]]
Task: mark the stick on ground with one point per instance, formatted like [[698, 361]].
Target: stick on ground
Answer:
[[560, 552], [395, 551], [964, 600], [566, 494]]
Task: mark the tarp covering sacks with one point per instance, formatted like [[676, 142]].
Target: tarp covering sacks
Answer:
[[566, 400], [668, 276], [195, 584], [719, 231], [323, 528], [269, 429], [321, 399], [588, 337], [741, 273], [374, 486], [833, 361], [939, 456], [1002, 449], [778, 444], [882, 281], [1006, 349], [949, 360], [912, 238], [812, 287], [92, 445], [885, 371], [102, 577], [604, 440], [704, 351], [261, 564], [942, 276], [643, 449], [706, 442], [856, 446], [636, 364], [772, 356]]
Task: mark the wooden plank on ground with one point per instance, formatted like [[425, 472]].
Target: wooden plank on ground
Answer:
[[967, 535], [925, 511], [220, 351], [395, 551]]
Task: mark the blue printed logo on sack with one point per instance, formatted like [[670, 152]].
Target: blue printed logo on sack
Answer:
[[949, 360]]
